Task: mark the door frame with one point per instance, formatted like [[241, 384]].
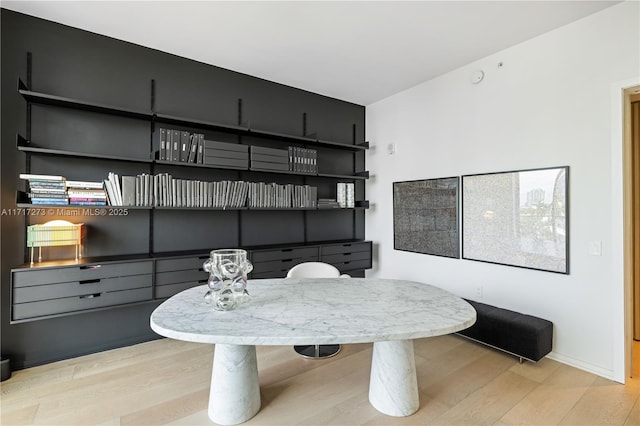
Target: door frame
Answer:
[[621, 210]]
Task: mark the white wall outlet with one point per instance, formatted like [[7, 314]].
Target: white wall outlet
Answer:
[[595, 248], [479, 292]]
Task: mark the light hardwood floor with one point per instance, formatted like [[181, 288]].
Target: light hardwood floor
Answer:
[[460, 382]]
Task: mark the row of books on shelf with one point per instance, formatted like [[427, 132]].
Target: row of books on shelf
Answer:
[[162, 190], [184, 147]]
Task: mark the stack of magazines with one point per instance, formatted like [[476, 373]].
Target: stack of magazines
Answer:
[[46, 189], [84, 193]]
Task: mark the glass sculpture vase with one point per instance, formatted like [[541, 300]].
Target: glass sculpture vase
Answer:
[[228, 269]]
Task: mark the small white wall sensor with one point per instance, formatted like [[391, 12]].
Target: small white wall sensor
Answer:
[[477, 76]]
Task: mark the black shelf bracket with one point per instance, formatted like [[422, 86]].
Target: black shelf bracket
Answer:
[[21, 140], [239, 111], [304, 124], [21, 85], [29, 70], [153, 97]]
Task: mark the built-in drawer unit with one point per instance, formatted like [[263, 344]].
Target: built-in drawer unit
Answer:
[[176, 274], [275, 263], [347, 256], [50, 291]]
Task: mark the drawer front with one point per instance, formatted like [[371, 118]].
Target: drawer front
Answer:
[[356, 265], [281, 254], [346, 257], [80, 273], [346, 248], [165, 291], [89, 287], [281, 267], [165, 278], [80, 303], [270, 274], [180, 264]]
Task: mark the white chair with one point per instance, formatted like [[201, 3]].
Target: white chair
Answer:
[[316, 270]]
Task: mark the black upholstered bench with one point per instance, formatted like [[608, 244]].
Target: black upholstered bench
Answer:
[[524, 336]]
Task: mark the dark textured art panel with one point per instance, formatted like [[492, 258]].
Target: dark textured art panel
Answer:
[[425, 216]]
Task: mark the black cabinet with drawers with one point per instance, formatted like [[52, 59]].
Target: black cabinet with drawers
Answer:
[[39, 293], [65, 289], [347, 257], [179, 273], [274, 263]]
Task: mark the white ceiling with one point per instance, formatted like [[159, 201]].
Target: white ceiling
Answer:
[[359, 51]]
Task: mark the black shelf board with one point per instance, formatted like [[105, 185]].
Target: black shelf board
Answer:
[[25, 146], [247, 131], [61, 101], [73, 206], [204, 254], [222, 209], [282, 172], [301, 244], [22, 201], [349, 177], [281, 208], [47, 264]]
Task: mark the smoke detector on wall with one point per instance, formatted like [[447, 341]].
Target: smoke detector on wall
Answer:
[[477, 76]]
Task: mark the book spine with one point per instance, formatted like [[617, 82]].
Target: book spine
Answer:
[[193, 148], [162, 146], [175, 145], [200, 156]]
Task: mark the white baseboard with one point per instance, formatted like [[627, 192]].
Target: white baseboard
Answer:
[[597, 370]]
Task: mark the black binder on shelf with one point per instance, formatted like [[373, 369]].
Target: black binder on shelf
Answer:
[[184, 147], [162, 145], [193, 148], [200, 155], [175, 146]]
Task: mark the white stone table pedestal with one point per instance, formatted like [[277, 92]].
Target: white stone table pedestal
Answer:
[[235, 390], [388, 313], [393, 386]]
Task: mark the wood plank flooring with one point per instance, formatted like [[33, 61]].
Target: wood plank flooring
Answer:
[[166, 382]]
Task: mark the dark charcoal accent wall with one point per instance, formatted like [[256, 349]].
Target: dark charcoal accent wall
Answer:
[[76, 64]]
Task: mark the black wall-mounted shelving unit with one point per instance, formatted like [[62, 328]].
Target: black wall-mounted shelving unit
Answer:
[[87, 105]]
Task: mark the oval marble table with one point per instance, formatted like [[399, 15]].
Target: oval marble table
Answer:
[[389, 313]]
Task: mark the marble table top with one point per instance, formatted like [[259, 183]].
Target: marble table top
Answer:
[[316, 311]]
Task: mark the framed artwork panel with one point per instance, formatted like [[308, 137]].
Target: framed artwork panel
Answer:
[[517, 218], [425, 216]]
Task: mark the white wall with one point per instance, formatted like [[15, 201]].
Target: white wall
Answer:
[[548, 105]]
